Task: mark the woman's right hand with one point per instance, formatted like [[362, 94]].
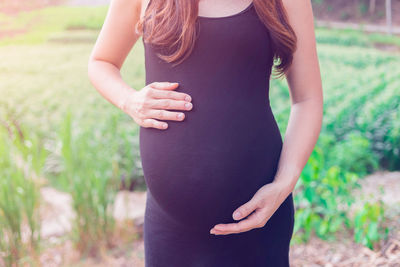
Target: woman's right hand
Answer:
[[148, 105]]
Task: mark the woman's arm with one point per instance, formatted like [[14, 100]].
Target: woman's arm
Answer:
[[304, 80], [113, 44], [148, 105], [303, 129]]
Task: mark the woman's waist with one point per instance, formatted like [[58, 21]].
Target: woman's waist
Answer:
[[193, 137]]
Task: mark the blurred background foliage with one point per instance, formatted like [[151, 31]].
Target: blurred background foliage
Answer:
[[55, 129]]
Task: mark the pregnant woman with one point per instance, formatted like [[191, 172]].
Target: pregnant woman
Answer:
[[219, 176]]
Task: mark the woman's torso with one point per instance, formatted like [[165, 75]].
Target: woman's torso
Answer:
[[202, 168]]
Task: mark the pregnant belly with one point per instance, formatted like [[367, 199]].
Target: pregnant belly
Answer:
[[201, 169]]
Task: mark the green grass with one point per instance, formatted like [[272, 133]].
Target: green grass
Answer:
[[91, 175], [44, 81], [42, 23], [41, 83], [22, 159], [350, 37]]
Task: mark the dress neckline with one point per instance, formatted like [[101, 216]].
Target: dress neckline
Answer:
[[229, 16]]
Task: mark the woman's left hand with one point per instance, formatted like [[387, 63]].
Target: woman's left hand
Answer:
[[264, 203]]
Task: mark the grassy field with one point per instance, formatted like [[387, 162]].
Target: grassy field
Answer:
[[46, 92], [44, 81]]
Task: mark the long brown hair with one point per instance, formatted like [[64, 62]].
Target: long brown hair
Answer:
[[172, 24]]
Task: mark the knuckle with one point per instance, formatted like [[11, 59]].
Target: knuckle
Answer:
[[161, 114], [146, 104], [260, 202], [166, 103], [145, 124], [149, 123], [140, 110], [148, 92], [140, 105]]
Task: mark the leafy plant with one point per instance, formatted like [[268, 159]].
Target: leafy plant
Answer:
[[368, 224], [323, 198], [21, 162], [353, 154], [91, 175]]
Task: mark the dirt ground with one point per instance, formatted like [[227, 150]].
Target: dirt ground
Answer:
[[128, 247]]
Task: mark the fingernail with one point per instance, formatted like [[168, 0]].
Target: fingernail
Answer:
[[180, 115], [212, 231], [236, 215], [187, 98], [188, 105]]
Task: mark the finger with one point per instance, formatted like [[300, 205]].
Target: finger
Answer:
[[244, 226], [169, 104], [165, 115], [245, 209], [216, 232], [152, 123], [253, 221], [156, 93], [164, 85]]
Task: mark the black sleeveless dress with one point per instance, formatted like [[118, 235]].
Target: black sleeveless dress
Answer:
[[199, 170]]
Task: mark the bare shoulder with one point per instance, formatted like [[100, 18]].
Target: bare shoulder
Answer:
[[298, 10], [131, 7], [301, 19], [144, 4], [118, 35], [124, 10], [304, 74]]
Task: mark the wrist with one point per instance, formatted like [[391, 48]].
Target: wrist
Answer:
[[284, 186], [123, 102]]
